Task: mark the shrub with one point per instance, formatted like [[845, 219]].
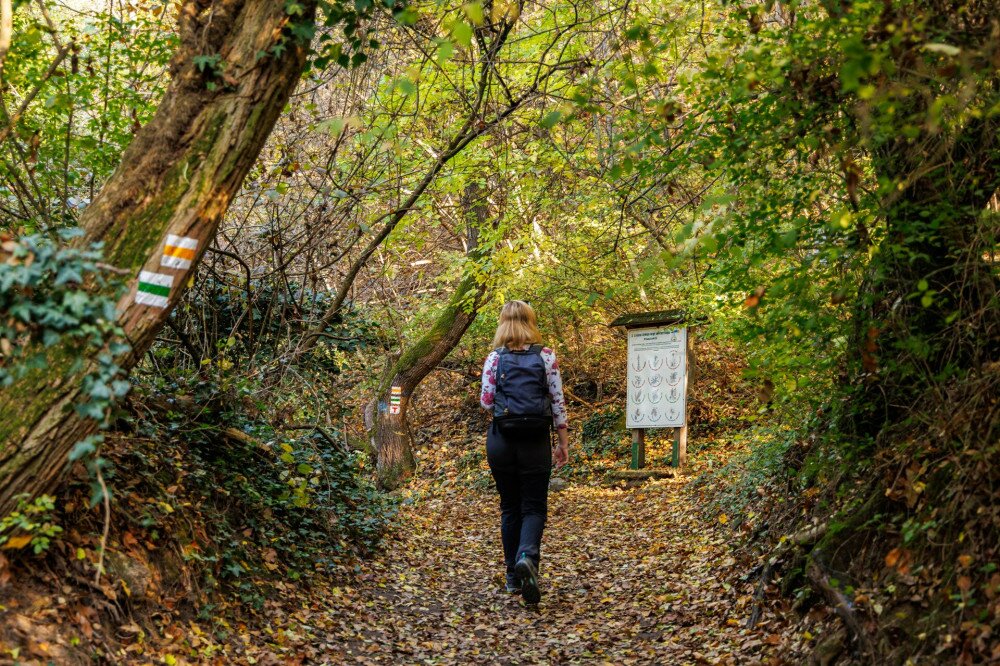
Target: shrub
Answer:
[[604, 433], [31, 525]]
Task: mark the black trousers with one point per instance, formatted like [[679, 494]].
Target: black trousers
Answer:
[[521, 470]]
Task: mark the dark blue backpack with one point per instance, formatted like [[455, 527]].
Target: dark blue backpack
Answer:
[[522, 405]]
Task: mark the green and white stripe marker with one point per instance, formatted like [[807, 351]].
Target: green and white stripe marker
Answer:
[[154, 289]]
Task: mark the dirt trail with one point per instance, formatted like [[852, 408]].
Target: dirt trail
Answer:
[[628, 577]]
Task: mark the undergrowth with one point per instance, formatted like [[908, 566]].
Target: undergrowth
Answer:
[[267, 501]]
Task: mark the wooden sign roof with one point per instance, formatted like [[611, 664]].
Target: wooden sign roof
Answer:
[[656, 318]]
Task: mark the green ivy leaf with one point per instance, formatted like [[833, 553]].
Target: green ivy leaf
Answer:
[[445, 50], [406, 86], [69, 274], [84, 447]]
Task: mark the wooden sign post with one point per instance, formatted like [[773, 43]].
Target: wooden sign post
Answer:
[[659, 372], [638, 448], [680, 453]]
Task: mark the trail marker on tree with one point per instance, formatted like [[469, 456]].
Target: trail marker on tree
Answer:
[[660, 361]]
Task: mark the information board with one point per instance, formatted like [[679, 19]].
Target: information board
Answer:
[[657, 377]]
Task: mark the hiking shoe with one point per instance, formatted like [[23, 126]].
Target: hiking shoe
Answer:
[[513, 585], [527, 573]]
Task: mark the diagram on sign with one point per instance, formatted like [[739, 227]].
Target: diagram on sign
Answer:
[[657, 377]]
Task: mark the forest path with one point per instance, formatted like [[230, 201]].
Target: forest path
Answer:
[[628, 576]]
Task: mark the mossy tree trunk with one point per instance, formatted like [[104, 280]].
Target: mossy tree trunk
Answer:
[[393, 441], [177, 178]]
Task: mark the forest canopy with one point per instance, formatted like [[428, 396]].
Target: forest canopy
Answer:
[[234, 232]]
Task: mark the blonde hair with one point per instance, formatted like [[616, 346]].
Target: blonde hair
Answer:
[[518, 326]]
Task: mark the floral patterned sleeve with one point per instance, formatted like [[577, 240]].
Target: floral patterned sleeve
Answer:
[[559, 416], [488, 393]]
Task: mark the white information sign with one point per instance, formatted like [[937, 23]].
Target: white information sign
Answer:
[[657, 377]]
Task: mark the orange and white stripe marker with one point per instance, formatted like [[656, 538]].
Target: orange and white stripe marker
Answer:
[[179, 252]]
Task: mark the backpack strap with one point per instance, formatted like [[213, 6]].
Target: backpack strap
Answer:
[[535, 349], [498, 391]]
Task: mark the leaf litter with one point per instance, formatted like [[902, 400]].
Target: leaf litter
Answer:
[[629, 576]]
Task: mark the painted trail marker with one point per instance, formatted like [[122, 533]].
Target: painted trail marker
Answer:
[[179, 252], [154, 289]]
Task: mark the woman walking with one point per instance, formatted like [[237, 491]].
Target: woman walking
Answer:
[[523, 390]]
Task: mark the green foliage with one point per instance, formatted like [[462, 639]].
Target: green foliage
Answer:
[[58, 296], [85, 111], [352, 20], [760, 470], [212, 64], [42, 291], [31, 524], [803, 124], [604, 433], [52, 293], [809, 177], [240, 329], [303, 497]]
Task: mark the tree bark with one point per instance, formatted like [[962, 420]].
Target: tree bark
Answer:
[[177, 178], [393, 441]]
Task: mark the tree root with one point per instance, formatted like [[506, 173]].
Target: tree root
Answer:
[[758, 595], [805, 537], [841, 605]]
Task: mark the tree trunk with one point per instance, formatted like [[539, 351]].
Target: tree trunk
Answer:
[[393, 441], [392, 438], [177, 178]]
